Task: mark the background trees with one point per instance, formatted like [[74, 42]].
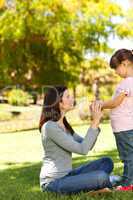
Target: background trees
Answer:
[[47, 42]]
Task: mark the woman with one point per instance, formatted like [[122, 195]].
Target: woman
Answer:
[[59, 142]]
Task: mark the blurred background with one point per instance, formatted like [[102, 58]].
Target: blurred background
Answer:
[[47, 42], [50, 42]]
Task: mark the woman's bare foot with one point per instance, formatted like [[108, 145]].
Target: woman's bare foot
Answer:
[[100, 191]]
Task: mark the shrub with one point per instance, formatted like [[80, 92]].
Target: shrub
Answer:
[[18, 97]]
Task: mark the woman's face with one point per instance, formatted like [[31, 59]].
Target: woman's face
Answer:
[[67, 102]]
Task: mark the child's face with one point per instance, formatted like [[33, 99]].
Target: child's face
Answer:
[[121, 70]]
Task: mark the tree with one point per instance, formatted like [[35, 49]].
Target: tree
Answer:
[[45, 42], [2, 2]]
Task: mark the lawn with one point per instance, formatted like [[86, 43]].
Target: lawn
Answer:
[[20, 162], [28, 117]]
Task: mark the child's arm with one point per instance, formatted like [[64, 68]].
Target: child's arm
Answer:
[[114, 102]]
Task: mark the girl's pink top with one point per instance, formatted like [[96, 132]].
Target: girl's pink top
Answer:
[[122, 116]]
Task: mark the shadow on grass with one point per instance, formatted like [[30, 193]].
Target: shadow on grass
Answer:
[[22, 181]]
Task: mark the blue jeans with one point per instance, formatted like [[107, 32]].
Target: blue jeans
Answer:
[[91, 176], [124, 142]]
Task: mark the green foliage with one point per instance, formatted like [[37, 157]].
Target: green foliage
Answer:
[[125, 27], [49, 39], [18, 97], [107, 92]]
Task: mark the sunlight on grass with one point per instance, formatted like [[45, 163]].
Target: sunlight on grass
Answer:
[[21, 158], [22, 147]]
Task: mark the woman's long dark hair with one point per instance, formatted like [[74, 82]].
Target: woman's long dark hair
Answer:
[[51, 110]]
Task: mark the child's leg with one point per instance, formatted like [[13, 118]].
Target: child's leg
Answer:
[[124, 141], [122, 152], [129, 145]]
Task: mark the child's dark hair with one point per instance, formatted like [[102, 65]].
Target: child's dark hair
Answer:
[[119, 56]]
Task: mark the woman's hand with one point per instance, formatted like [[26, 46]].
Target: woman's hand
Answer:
[[96, 113]]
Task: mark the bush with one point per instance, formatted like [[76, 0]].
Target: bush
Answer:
[[19, 97]]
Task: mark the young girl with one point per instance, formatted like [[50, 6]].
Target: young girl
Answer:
[[122, 113], [59, 142]]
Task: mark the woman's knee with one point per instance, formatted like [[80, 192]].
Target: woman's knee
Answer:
[[108, 162]]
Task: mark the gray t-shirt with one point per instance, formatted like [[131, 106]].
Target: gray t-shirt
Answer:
[[58, 147]]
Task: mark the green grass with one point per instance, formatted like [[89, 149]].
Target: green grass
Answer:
[[20, 162], [28, 117]]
